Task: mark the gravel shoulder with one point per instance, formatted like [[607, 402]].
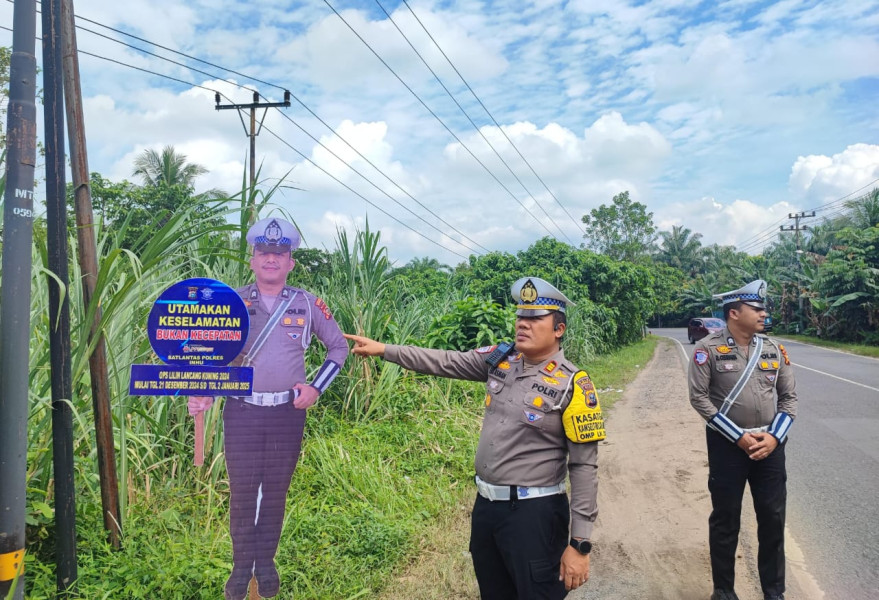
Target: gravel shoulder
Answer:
[[651, 537]]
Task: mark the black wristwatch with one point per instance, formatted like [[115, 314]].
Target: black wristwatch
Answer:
[[581, 546]]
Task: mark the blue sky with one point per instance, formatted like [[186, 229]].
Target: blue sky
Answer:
[[720, 116]]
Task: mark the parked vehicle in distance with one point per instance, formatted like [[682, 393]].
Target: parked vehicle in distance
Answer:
[[699, 327], [767, 324]]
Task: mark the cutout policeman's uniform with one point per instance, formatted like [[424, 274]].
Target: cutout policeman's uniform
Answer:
[[263, 432], [542, 422], [738, 390]]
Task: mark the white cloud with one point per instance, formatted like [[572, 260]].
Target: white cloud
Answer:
[[818, 179]]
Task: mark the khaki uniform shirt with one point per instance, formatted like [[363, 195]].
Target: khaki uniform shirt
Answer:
[[770, 389], [523, 441], [280, 363]]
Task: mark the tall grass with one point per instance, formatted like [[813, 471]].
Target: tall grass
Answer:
[[385, 450]]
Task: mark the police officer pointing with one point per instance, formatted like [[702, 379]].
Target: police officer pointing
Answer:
[[263, 431], [542, 422], [742, 384]]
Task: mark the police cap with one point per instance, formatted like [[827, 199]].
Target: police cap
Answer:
[[273, 234], [753, 294], [535, 297]]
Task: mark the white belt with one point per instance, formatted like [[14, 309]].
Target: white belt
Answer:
[[267, 398], [502, 492], [757, 429]]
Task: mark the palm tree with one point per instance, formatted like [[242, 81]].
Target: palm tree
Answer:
[[682, 249], [864, 211], [166, 168]]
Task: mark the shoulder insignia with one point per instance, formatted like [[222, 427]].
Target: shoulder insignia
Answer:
[[784, 354], [486, 349], [323, 308], [550, 366], [582, 418]]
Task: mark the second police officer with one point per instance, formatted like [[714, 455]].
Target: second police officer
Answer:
[[742, 384], [542, 422]]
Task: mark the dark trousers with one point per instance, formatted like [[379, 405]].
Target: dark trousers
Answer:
[[729, 469], [517, 547], [262, 446]]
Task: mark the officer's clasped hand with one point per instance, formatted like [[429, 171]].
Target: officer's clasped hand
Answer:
[[304, 395]]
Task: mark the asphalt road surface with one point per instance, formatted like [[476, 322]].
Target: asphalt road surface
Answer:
[[833, 468]]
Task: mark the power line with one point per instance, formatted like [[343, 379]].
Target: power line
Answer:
[[475, 126], [435, 116], [306, 107], [121, 63], [498, 125]]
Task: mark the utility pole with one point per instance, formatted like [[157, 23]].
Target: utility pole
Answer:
[[797, 228], [252, 132], [88, 264], [15, 295], [59, 301]]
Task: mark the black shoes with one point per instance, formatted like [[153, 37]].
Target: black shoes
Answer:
[[720, 594]]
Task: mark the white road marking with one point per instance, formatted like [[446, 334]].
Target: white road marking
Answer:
[[684, 352], [792, 341], [869, 387]]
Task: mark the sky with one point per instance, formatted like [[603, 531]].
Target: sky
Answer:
[[461, 127]]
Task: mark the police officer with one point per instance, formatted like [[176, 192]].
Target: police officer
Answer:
[[742, 384], [542, 421], [263, 432]]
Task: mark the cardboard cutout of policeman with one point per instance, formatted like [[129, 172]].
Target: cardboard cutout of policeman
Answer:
[[263, 431]]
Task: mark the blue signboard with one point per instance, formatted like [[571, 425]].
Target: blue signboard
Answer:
[[198, 322], [175, 380], [197, 327]]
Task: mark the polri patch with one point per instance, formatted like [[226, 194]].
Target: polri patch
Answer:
[[700, 357]]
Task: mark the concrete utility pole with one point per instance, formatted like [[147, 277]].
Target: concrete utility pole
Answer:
[[796, 228], [15, 295], [252, 132], [88, 264]]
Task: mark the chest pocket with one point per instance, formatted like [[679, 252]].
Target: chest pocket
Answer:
[[542, 395]]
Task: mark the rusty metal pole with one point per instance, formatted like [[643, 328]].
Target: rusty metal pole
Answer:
[[88, 262]]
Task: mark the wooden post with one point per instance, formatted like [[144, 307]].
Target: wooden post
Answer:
[[88, 263]]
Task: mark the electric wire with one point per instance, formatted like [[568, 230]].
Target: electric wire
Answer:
[[435, 116], [301, 154], [491, 116], [475, 126], [284, 115], [837, 206]]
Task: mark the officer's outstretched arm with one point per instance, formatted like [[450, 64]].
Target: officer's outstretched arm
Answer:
[[364, 346]]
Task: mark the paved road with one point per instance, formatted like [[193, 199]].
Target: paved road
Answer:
[[833, 468]]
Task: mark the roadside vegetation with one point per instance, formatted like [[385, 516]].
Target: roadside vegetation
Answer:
[[388, 454]]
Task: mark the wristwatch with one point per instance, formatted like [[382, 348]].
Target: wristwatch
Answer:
[[581, 546]]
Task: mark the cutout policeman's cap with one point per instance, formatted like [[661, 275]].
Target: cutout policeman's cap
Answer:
[[535, 297], [753, 294], [273, 235]]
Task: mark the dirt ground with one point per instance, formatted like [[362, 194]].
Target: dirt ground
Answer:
[[651, 537]]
